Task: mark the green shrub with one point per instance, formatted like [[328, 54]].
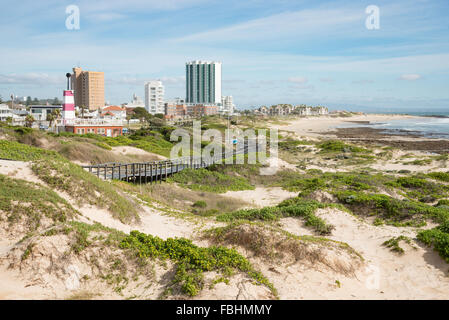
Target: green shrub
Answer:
[[13, 150], [340, 146], [296, 207], [211, 181], [103, 145], [393, 243], [393, 211], [442, 176], [26, 201], [191, 261], [438, 238], [199, 204]]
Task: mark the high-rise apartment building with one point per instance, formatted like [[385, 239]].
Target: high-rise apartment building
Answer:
[[89, 88], [203, 82], [154, 97]]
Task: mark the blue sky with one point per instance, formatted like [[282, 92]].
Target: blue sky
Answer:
[[314, 52]]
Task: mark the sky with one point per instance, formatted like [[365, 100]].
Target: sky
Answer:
[[280, 51]]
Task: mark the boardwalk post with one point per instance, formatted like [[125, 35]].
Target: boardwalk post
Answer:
[[126, 172], [140, 173], [151, 172], [105, 168], [113, 167], [160, 172], [98, 172], [120, 172], [134, 172], [166, 166]]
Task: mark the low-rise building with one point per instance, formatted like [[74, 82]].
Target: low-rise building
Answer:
[[40, 113], [199, 110], [113, 112], [104, 128], [5, 112], [175, 110]]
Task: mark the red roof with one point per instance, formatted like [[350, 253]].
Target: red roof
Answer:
[[107, 113], [113, 108]]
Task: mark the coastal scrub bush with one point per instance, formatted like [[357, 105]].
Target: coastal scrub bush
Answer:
[[21, 200], [393, 211], [438, 238], [199, 204], [296, 207], [340, 146], [84, 187], [420, 188], [442, 176], [393, 243], [211, 181], [191, 261], [13, 150]]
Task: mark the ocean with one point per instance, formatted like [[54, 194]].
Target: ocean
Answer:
[[435, 127]]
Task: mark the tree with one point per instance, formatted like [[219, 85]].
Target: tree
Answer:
[[29, 101], [56, 101], [1, 99], [35, 101], [9, 120], [83, 107], [57, 114], [50, 118], [128, 117], [141, 114], [29, 121]]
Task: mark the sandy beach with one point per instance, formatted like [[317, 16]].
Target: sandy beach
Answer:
[[316, 126]]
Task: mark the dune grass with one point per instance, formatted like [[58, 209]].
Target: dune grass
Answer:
[[63, 175]]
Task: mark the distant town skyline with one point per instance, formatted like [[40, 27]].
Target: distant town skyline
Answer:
[[316, 52]]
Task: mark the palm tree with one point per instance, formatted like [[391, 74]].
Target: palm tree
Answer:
[[50, 118], [29, 121], [82, 110]]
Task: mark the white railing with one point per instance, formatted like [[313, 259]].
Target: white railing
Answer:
[[92, 122]]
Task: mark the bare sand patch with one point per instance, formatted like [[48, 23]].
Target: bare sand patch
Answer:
[[262, 197], [132, 151], [418, 274]]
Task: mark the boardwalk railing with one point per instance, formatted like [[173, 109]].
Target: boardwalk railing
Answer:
[[155, 170]]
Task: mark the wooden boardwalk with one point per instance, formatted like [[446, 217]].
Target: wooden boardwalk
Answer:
[[153, 171]]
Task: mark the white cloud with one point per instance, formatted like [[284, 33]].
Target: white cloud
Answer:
[[410, 77], [327, 80], [32, 79], [362, 81], [300, 80]]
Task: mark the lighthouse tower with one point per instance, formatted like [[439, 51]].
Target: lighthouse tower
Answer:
[[68, 105]]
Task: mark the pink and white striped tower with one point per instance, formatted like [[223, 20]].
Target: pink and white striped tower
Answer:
[[68, 105], [68, 102]]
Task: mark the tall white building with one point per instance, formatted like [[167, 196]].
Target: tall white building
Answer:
[[203, 82], [227, 105], [154, 97]]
